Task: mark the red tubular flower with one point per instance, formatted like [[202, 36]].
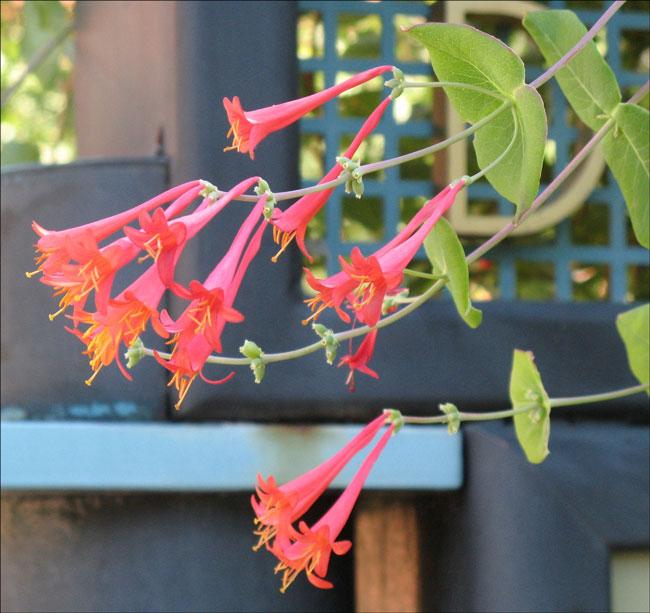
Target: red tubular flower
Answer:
[[79, 265], [277, 507], [365, 281], [53, 246], [162, 239], [197, 332], [360, 358], [249, 128], [125, 318], [292, 223], [313, 547], [95, 270]]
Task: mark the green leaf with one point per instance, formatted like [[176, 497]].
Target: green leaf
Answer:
[[462, 54], [518, 174], [447, 257], [634, 328], [626, 152], [587, 80], [533, 427]]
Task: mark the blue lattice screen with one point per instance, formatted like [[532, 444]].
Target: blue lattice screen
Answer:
[[590, 256]]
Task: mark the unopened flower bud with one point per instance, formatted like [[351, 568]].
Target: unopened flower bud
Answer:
[[258, 366], [354, 178], [250, 350], [263, 188], [393, 416], [453, 416], [209, 190], [134, 353], [329, 341]]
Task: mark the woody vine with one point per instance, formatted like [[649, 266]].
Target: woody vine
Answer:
[[484, 82]]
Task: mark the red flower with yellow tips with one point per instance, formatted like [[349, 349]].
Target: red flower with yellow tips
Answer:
[[249, 128], [292, 223]]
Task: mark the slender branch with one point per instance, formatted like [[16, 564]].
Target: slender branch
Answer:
[[628, 391], [553, 185], [443, 419], [383, 164], [580, 45], [37, 59], [554, 402]]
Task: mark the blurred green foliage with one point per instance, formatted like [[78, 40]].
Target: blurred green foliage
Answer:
[[37, 122]]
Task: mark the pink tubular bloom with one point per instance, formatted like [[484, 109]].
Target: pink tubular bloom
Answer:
[[53, 246], [360, 358], [162, 239], [78, 265], [249, 128], [312, 548], [277, 507], [292, 222], [197, 332], [124, 319], [365, 281]]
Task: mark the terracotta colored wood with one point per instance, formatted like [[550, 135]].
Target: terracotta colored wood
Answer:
[[125, 77], [387, 558]]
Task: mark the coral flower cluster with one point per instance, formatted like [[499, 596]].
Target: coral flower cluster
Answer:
[[82, 264], [278, 508]]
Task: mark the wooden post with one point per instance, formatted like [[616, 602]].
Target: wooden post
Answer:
[[387, 556]]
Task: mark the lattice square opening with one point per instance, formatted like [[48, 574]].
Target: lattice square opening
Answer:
[[358, 35], [310, 35], [420, 169], [362, 220], [638, 283], [484, 280], [535, 280], [590, 281], [590, 225], [312, 156], [406, 48]]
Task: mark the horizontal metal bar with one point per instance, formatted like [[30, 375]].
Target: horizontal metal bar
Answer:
[[56, 456]]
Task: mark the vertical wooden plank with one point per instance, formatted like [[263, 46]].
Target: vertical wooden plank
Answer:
[[125, 77], [387, 557]]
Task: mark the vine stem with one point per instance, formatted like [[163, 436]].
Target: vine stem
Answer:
[[383, 164], [554, 402], [574, 400], [553, 185], [443, 419], [422, 298], [580, 45]]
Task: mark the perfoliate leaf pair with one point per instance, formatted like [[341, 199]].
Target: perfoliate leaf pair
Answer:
[[462, 54], [590, 87]]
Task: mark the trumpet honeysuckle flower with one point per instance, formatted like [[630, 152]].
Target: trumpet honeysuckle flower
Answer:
[[292, 222], [310, 548], [365, 281], [53, 246], [277, 507], [125, 318], [197, 332], [249, 128], [94, 271], [358, 361], [80, 266], [162, 237]]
